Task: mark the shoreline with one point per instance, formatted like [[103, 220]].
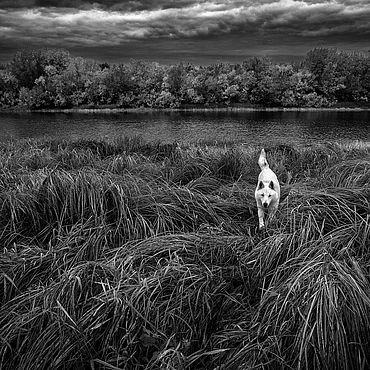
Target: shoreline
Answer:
[[195, 109]]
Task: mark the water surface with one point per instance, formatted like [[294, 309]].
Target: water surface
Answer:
[[249, 127]]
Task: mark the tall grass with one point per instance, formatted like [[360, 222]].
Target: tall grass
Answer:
[[134, 255]]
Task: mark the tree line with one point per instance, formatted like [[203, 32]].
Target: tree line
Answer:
[[52, 78]]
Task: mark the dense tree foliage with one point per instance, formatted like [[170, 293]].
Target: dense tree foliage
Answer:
[[54, 79]]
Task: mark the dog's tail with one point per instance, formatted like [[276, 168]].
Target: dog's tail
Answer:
[[262, 161]]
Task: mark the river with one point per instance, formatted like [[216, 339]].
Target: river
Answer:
[[248, 127]]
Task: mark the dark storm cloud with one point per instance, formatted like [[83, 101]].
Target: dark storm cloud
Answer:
[[131, 5], [268, 24]]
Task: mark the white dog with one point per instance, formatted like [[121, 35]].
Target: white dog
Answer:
[[267, 193]]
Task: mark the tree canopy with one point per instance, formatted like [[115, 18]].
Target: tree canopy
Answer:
[[52, 78]]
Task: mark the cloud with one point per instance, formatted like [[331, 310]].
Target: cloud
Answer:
[[131, 5], [81, 23], [192, 19]]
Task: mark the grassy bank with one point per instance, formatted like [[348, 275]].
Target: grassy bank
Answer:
[[134, 255]]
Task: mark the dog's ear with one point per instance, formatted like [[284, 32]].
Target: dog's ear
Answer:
[[271, 185], [260, 185]]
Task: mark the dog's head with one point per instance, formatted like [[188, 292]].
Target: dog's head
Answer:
[[266, 193]]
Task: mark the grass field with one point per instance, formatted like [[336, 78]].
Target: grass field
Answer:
[[134, 255]]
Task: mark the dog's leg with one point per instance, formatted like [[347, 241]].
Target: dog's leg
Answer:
[[272, 212], [261, 215]]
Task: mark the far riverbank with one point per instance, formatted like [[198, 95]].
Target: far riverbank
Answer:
[[192, 108], [205, 109]]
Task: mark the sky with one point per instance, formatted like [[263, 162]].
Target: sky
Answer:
[[170, 31]]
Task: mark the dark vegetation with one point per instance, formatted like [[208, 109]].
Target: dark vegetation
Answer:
[[37, 79], [134, 255]]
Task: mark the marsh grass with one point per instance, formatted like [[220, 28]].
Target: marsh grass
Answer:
[[135, 255]]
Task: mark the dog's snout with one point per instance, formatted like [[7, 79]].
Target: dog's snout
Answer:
[[265, 205]]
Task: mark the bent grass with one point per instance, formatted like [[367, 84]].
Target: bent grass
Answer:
[[132, 255]]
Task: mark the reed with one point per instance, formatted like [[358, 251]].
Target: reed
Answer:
[[135, 255]]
